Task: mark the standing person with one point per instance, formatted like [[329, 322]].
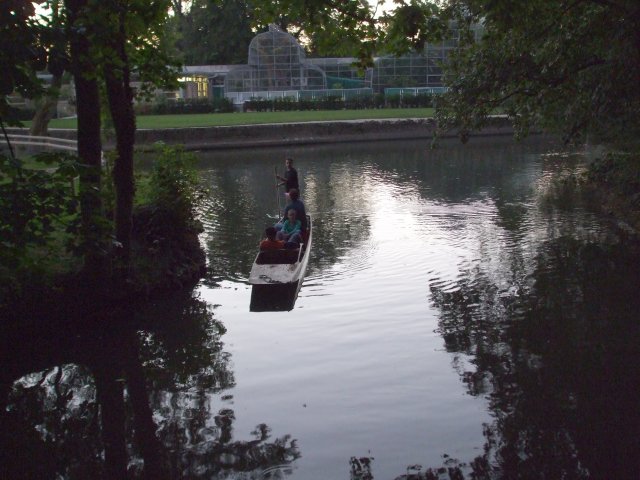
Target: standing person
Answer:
[[290, 179]]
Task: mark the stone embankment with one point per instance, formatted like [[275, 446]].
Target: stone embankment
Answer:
[[251, 136], [282, 134]]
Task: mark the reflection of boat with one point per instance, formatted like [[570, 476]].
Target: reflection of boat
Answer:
[[277, 275]]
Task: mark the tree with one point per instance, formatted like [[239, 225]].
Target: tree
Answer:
[[21, 55], [111, 41], [84, 72], [349, 22], [213, 32], [53, 39], [569, 66]]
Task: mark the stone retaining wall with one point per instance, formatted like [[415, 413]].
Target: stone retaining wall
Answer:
[[250, 136]]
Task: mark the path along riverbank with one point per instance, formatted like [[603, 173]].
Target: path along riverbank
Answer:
[[284, 134]]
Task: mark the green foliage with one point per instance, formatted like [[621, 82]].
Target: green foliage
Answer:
[[186, 106], [36, 207], [421, 100], [568, 67], [33, 200], [333, 103], [408, 27], [21, 55], [329, 103], [620, 171], [150, 58], [173, 183], [165, 221], [13, 115], [213, 33], [353, 22]]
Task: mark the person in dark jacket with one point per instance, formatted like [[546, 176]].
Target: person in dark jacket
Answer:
[[290, 179]]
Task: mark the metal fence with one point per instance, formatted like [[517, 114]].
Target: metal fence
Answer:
[[238, 98], [35, 143]]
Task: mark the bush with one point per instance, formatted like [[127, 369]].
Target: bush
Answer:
[[14, 114], [165, 221], [258, 105], [620, 171], [393, 101], [172, 184], [334, 102], [185, 106], [36, 208]]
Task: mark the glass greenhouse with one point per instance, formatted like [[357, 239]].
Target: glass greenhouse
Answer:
[[276, 63], [278, 68]]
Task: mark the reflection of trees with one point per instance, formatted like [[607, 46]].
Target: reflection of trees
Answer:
[[91, 417], [234, 221], [60, 402], [242, 203], [184, 351], [559, 362], [337, 182], [78, 408], [340, 194], [200, 449]]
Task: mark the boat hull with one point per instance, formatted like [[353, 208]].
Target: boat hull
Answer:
[[277, 276], [274, 298]]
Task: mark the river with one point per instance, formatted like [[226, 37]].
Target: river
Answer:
[[463, 309]]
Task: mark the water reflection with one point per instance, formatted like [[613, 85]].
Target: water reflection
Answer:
[[549, 357], [273, 298], [524, 286], [555, 350], [142, 397], [464, 316], [346, 187]]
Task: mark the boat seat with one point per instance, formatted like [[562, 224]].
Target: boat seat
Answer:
[[280, 256]]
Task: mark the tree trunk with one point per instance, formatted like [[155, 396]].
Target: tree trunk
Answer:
[[120, 99], [110, 396], [89, 142], [46, 108], [144, 426]]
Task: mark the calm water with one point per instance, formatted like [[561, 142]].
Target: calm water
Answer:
[[462, 308]]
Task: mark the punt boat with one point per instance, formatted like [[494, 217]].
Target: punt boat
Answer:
[[277, 275]]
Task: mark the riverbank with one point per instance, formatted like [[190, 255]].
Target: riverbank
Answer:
[[286, 134], [309, 133], [232, 137], [613, 182]]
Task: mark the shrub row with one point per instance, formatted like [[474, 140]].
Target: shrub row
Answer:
[[338, 103], [182, 106], [422, 100], [224, 105], [14, 114]]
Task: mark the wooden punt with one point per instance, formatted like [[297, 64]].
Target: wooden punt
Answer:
[[277, 275]]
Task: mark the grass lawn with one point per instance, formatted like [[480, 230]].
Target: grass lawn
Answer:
[[252, 118]]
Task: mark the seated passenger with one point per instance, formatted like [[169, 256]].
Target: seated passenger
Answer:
[[290, 231], [297, 205], [270, 243]]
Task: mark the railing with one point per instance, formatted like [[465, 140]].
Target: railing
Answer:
[[53, 143], [46, 142], [238, 98], [413, 91]]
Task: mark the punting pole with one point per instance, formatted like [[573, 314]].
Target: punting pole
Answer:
[[275, 169]]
